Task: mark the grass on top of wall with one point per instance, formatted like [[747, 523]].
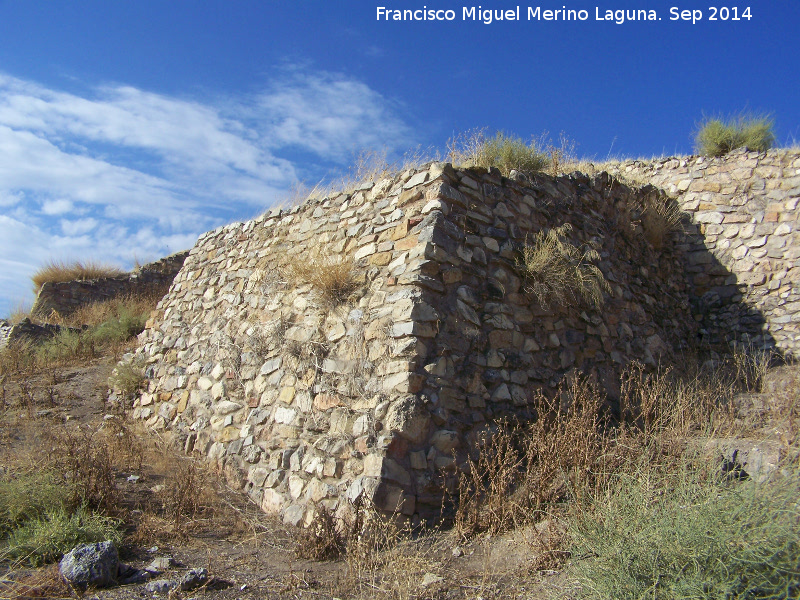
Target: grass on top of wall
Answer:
[[56, 271]]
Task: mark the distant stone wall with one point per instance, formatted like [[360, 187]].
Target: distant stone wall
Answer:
[[62, 298], [743, 246], [383, 396]]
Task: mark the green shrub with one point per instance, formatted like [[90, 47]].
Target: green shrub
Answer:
[[48, 538], [127, 377], [119, 328], [691, 538], [65, 346], [557, 271], [29, 495], [716, 137], [505, 152]]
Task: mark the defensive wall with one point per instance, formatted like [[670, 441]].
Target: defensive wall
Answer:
[[300, 400]]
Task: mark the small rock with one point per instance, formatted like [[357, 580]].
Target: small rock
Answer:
[[131, 576], [430, 579], [458, 552], [91, 564], [160, 586], [162, 563], [193, 579]]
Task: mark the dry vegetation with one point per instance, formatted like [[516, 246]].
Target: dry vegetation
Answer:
[[502, 151], [626, 501], [59, 271], [333, 277], [661, 216], [556, 271]]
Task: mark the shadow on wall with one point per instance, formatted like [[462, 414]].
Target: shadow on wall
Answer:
[[719, 300]]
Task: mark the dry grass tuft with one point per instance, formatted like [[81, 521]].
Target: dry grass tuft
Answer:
[[558, 272], [97, 313], [661, 216], [19, 313], [502, 151], [385, 557], [332, 277], [59, 271], [369, 166], [46, 583]]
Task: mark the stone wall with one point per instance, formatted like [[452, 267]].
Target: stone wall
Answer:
[[299, 401], [62, 298], [743, 243]]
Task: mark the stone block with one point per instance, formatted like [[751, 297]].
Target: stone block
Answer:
[[409, 418]]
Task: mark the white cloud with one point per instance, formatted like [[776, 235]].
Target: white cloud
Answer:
[[9, 198], [78, 226], [57, 207], [331, 114], [121, 172]]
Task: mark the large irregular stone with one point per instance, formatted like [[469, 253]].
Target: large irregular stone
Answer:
[[93, 565], [409, 418]]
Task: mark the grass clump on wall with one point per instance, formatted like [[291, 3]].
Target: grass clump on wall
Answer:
[[717, 137], [503, 151], [661, 216], [558, 272], [59, 271], [333, 277]]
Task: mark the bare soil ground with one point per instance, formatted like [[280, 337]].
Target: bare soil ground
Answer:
[[246, 553]]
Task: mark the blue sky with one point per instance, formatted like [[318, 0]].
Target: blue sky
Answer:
[[128, 128]]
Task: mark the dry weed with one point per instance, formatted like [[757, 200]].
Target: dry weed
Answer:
[[751, 365], [368, 166], [59, 271], [17, 359], [19, 313], [43, 583], [97, 313], [384, 556], [324, 539], [332, 276], [87, 461], [661, 216], [184, 495], [562, 156], [569, 447], [558, 272], [523, 469]]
